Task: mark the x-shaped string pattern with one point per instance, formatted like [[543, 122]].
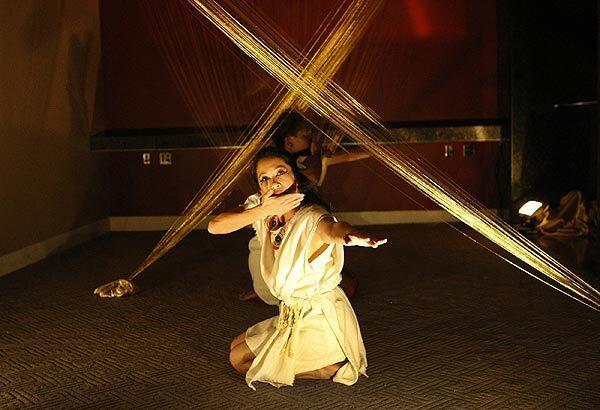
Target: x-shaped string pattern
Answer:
[[324, 64], [358, 122]]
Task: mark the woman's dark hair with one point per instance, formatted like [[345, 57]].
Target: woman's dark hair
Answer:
[[311, 194], [289, 123]]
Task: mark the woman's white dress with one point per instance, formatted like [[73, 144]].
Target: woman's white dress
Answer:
[[316, 325], [255, 247]]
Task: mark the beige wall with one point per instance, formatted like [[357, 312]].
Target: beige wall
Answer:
[[50, 182]]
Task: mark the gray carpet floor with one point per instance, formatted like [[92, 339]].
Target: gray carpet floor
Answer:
[[446, 324]]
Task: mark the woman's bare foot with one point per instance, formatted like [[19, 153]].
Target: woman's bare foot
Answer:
[[348, 285], [249, 295], [325, 373]]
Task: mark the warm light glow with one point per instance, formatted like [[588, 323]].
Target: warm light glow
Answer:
[[361, 124], [309, 82], [530, 208], [325, 62], [420, 22]]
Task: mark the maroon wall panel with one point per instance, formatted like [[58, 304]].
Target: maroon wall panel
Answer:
[[419, 60], [137, 189]]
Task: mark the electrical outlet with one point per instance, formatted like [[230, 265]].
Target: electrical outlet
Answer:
[[165, 158], [468, 150], [146, 158], [448, 151]]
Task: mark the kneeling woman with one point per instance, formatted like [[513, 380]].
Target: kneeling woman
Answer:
[[316, 335]]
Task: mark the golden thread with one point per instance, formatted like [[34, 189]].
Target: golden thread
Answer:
[[331, 101], [311, 83], [325, 63]]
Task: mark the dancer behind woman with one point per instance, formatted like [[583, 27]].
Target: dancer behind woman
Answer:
[[294, 134], [316, 334]]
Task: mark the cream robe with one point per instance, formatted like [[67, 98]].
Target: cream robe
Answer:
[[254, 247], [316, 325]]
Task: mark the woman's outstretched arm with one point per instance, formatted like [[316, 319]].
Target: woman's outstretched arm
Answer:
[[343, 233], [232, 221]]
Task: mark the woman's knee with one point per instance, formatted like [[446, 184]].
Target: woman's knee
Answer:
[[235, 360], [238, 339], [241, 357]]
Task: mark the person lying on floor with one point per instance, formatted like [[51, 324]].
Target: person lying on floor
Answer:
[[294, 134], [316, 334]]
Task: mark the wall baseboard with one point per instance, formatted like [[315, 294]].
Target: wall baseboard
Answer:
[[21, 258], [33, 253]]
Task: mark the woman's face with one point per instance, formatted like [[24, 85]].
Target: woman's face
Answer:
[[274, 174], [299, 142]]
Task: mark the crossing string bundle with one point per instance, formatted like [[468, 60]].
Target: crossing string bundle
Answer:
[[306, 82]]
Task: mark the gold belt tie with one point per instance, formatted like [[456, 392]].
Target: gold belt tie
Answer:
[[290, 316]]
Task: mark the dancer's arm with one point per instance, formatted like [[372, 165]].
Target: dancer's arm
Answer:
[[347, 156], [232, 221], [343, 233], [311, 168], [312, 164]]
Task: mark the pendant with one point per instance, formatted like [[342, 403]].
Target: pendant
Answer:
[[277, 230], [274, 223], [278, 239]]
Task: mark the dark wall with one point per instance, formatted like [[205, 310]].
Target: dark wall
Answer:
[[554, 49], [419, 60], [50, 181]]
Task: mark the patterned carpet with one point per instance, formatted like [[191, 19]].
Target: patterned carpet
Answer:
[[446, 325]]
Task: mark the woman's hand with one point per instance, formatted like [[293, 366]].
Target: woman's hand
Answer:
[[279, 205], [340, 232], [357, 238]]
